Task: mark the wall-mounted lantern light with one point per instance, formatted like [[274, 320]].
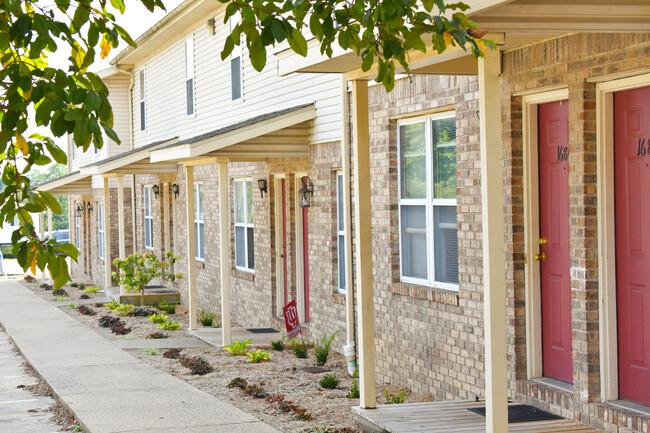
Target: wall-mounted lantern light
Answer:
[[261, 183], [175, 189], [79, 208], [156, 190], [306, 192], [89, 207], [211, 26]]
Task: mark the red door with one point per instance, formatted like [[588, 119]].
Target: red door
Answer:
[[305, 255], [284, 239], [632, 184], [554, 229]]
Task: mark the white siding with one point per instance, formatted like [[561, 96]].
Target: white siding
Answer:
[[262, 92]]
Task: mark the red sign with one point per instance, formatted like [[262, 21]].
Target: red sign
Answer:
[[291, 319]]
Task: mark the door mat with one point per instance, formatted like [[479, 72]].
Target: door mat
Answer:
[[261, 330], [521, 413]]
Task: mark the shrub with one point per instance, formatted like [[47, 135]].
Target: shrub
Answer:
[[258, 356], [74, 284], [196, 365], [172, 354], [167, 308], [84, 296], [60, 292], [206, 319], [86, 311], [61, 298], [46, 286], [121, 329], [238, 347], [93, 289], [72, 306], [29, 279], [322, 348], [329, 381], [81, 286], [158, 318], [111, 305], [392, 398], [299, 347], [142, 312], [137, 270], [108, 321], [169, 326], [157, 336], [116, 325], [277, 345], [354, 389], [150, 351], [123, 309]]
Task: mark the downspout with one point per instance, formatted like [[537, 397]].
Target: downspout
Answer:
[[131, 146], [349, 348]]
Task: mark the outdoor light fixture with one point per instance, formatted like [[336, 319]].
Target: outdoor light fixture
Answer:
[[175, 189], [211, 26], [79, 208], [156, 189], [89, 207], [306, 191], [261, 183]]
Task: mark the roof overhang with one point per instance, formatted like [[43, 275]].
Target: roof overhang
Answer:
[[136, 161], [284, 133], [73, 183], [511, 24]]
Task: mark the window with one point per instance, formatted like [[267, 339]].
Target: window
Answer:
[[148, 218], [77, 225], [236, 75], [100, 229], [340, 230], [189, 75], [199, 221], [243, 198], [427, 191], [143, 105]]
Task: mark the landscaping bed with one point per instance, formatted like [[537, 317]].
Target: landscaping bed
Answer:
[[280, 392]]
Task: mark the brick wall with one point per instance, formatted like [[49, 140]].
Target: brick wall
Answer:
[[575, 62]]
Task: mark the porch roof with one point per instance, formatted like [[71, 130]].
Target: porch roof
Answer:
[[136, 161], [72, 183], [283, 133], [511, 24]]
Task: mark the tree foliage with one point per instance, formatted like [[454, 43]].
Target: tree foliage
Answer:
[[381, 32], [138, 270], [72, 101], [54, 171]]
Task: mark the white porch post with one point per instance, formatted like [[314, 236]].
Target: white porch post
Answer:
[[120, 221], [165, 193], [107, 235], [49, 231], [191, 247], [494, 286], [363, 242], [224, 253]]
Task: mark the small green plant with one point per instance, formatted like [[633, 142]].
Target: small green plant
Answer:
[[322, 428], [322, 348], [329, 381], [158, 318], [93, 289], [74, 285], [128, 336], [72, 306], [392, 398], [151, 351], [123, 309], [258, 356], [277, 345], [81, 286], [206, 318], [354, 389], [156, 336], [111, 305], [216, 324], [169, 326], [137, 270], [167, 308], [62, 298], [238, 347], [299, 347]]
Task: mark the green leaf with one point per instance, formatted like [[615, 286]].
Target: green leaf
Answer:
[[367, 62], [297, 42], [62, 276], [68, 250], [278, 30], [257, 55], [57, 153], [119, 5], [227, 48], [111, 133], [93, 101], [50, 201]]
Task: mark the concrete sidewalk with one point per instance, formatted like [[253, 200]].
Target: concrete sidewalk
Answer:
[[107, 389]]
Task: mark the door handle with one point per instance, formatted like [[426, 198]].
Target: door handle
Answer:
[[543, 241], [541, 257]]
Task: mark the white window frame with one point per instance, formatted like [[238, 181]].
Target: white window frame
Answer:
[[77, 223], [101, 240], [189, 75], [237, 53], [147, 210], [245, 225], [143, 99], [429, 202], [340, 232], [199, 220]]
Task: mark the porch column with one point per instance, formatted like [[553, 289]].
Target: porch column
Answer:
[[191, 247], [49, 231], [107, 235], [363, 243], [224, 253], [120, 222], [494, 285], [165, 192]]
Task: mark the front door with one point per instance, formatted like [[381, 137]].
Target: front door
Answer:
[[553, 124], [632, 192]]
